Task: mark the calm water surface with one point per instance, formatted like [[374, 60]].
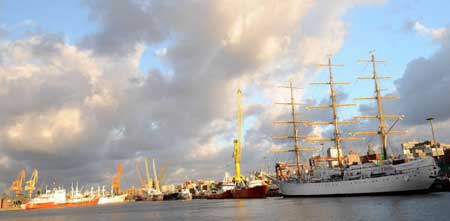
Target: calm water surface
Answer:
[[434, 206]]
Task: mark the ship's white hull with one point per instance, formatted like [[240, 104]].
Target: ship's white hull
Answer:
[[414, 176], [112, 199]]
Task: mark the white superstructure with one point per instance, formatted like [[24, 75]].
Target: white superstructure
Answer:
[[415, 175]]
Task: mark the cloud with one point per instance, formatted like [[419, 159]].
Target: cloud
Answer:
[[88, 106], [438, 34], [425, 82]]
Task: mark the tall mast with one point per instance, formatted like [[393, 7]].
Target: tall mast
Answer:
[[294, 123], [337, 138], [382, 131]]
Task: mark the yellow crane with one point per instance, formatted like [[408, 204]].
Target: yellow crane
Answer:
[[155, 176], [138, 171], [147, 172], [17, 184], [30, 185], [116, 179], [237, 142]]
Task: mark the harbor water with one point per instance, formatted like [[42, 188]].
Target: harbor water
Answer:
[[433, 206]]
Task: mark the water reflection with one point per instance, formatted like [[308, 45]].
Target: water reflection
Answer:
[[416, 207]]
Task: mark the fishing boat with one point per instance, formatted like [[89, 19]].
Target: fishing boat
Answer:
[[387, 175]]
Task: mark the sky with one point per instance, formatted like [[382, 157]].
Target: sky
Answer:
[[85, 85]]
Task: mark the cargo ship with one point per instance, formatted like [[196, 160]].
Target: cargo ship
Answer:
[[385, 176], [76, 198], [49, 199]]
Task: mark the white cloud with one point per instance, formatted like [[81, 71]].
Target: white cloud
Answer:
[[441, 34], [72, 99]]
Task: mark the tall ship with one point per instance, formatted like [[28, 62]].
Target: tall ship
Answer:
[[240, 187], [344, 175]]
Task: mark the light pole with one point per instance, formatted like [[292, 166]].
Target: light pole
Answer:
[[430, 119]]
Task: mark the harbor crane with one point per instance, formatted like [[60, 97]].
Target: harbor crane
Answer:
[[30, 185], [116, 179], [17, 184], [138, 171]]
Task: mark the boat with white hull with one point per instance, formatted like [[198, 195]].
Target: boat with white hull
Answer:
[[413, 176], [112, 199]]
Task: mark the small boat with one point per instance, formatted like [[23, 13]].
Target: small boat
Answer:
[[184, 194], [154, 195]]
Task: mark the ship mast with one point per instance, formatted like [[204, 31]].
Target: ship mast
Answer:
[[295, 135], [337, 138], [382, 131]]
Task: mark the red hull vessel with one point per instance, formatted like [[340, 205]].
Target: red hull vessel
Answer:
[[223, 195], [244, 193], [84, 203], [247, 193], [42, 205]]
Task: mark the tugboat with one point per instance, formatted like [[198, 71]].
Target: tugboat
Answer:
[[384, 176]]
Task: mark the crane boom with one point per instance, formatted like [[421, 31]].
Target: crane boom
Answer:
[[139, 174], [155, 176], [147, 172]]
